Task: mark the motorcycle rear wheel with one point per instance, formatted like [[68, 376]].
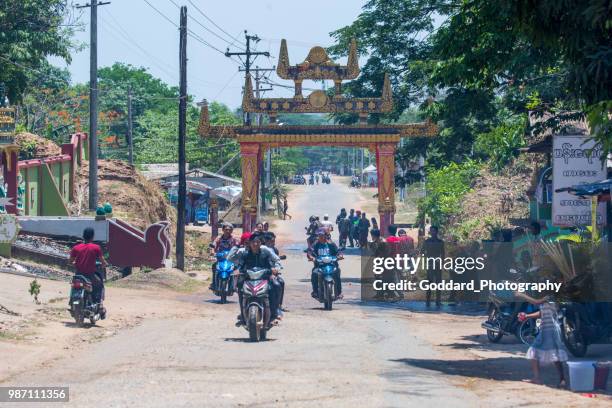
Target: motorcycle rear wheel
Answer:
[[494, 336], [254, 328], [79, 314]]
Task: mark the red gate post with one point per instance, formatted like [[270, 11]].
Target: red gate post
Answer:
[[249, 153], [10, 158], [385, 163]]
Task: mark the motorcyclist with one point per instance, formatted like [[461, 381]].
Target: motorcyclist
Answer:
[[84, 256], [324, 247], [270, 241], [223, 242], [252, 256], [327, 224], [312, 229]]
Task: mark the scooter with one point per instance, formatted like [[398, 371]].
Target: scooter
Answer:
[[225, 281], [326, 270], [256, 303]]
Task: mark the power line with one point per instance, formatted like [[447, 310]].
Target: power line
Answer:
[[215, 24], [161, 14], [202, 25], [190, 32]]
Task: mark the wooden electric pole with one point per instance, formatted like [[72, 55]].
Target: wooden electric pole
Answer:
[[93, 102], [182, 183], [129, 128], [247, 62]]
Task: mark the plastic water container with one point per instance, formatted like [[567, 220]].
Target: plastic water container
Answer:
[[602, 371], [581, 375]]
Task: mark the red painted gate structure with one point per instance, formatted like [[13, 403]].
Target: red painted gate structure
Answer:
[[381, 139]]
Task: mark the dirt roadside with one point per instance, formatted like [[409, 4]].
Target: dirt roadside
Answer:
[[494, 372], [45, 332]]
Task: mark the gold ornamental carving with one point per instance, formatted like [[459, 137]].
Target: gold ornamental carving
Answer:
[[317, 99]]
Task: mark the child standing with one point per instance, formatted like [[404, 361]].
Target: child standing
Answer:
[[548, 346]]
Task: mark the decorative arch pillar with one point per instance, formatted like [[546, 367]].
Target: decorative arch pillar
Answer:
[[250, 162], [385, 165]]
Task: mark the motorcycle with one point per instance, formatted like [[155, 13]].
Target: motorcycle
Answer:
[[82, 305], [326, 268], [583, 324], [503, 320], [355, 184], [256, 303], [225, 281]]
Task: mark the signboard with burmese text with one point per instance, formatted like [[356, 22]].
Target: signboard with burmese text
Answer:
[[576, 160]]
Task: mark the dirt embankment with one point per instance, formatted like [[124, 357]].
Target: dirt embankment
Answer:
[[134, 198], [496, 200], [32, 146]]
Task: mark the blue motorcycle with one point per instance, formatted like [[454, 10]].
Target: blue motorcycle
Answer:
[[224, 279], [326, 268]]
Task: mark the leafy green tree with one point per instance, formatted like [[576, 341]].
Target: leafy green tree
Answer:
[[445, 188], [30, 31], [501, 145]]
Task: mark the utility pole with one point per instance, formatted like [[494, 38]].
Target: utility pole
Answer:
[[129, 128], [247, 62], [93, 102], [182, 183]]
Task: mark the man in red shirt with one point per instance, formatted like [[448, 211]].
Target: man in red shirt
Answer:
[[83, 257]]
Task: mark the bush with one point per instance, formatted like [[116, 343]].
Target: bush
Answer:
[[501, 145], [445, 187]]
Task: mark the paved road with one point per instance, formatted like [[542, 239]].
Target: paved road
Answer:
[[351, 356]]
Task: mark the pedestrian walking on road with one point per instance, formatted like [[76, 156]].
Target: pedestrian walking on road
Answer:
[[363, 228], [285, 208], [344, 229], [434, 248], [352, 218]]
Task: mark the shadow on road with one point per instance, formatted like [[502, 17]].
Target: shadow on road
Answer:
[[418, 306], [508, 344], [84, 326], [498, 369], [244, 340]]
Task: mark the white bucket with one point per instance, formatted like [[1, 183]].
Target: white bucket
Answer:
[[581, 375]]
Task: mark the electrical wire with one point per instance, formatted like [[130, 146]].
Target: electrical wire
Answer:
[[202, 25], [190, 32], [215, 24]]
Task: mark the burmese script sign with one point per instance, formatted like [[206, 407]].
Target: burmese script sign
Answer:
[[575, 161], [7, 124]]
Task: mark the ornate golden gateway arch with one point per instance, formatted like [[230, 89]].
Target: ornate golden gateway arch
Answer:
[[255, 140]]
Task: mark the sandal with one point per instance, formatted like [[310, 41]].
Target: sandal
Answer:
[[562, 384]]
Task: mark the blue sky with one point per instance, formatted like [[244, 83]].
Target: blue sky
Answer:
[[131, 31]]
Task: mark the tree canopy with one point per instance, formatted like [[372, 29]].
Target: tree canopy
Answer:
[[30, 31]]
